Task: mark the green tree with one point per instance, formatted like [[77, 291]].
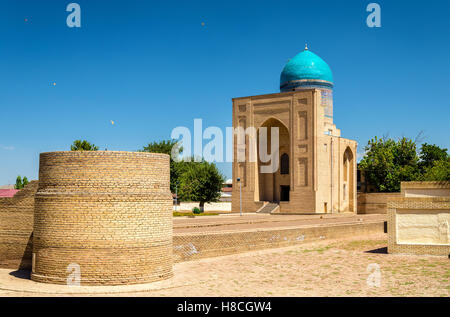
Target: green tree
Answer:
[[166, 147], [21, 183], [387, 163], [405, 152], [439, 171], [202, 182], [83, 145], [25, 181], [430, 153]]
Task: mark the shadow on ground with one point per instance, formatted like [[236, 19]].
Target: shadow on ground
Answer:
[[379, 251], [23, 274]]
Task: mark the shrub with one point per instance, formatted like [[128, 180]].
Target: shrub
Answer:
[[196, 211], [21, 183]]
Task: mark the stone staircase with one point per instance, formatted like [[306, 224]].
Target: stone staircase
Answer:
[[268, 208]]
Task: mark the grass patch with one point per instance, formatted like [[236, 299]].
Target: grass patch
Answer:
[[361, 245], [406, 283], [190, 214], [319, 250]]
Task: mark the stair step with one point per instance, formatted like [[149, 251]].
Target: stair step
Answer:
[[268, 208]]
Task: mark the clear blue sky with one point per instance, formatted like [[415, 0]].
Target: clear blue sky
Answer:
[[151, 66]]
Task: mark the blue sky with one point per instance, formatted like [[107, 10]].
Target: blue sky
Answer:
[[152, 66]]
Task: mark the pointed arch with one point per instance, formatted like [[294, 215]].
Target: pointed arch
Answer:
[[348, 188], [275, 186]]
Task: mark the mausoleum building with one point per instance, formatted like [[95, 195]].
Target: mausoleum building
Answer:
[[317, 167]]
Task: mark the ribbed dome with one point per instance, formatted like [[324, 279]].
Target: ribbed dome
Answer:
[[306, 70]]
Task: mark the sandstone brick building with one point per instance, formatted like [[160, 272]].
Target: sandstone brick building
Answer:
[[317, 167]]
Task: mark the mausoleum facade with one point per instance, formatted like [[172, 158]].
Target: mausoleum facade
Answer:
[[317, 167]]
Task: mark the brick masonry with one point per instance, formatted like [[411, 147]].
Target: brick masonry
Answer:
[[322, 164], [418, 221], [194, 246], [374, 203], [417, 207], [110, 213], [98, 221], [16, 227], [191, 246]]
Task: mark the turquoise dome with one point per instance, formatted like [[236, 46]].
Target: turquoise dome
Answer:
[[306, 70]]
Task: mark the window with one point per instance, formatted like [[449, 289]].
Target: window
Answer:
[[284, 164]]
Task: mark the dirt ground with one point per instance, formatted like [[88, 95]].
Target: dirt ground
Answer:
[[323, 268]]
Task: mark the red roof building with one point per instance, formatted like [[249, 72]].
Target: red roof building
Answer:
[[8, 192]]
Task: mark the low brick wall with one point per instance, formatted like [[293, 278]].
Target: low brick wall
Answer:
[[188, 247], [16, 226], [425, 189], [419, 225], [22, 201], [374, 203]]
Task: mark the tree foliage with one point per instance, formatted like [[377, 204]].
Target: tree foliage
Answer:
[[195, 181], [439, 171], [430, 153], [202, 182], [83, 145], [21, 183], [166, 147], [387, 163]]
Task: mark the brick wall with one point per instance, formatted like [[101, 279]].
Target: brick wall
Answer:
[[110, 213], [193, 246], [16, 226], [374, 203], [23, 200], [426, 221], [426, 189]]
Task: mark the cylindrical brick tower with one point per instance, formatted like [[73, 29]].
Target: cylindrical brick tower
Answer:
[[102, 218]]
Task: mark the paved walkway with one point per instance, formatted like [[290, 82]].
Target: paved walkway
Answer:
[[251, 221]]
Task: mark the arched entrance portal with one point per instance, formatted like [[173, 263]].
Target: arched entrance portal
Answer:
[[275, 187], [348, 180]]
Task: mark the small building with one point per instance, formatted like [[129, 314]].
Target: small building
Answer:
[[227, 190]]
